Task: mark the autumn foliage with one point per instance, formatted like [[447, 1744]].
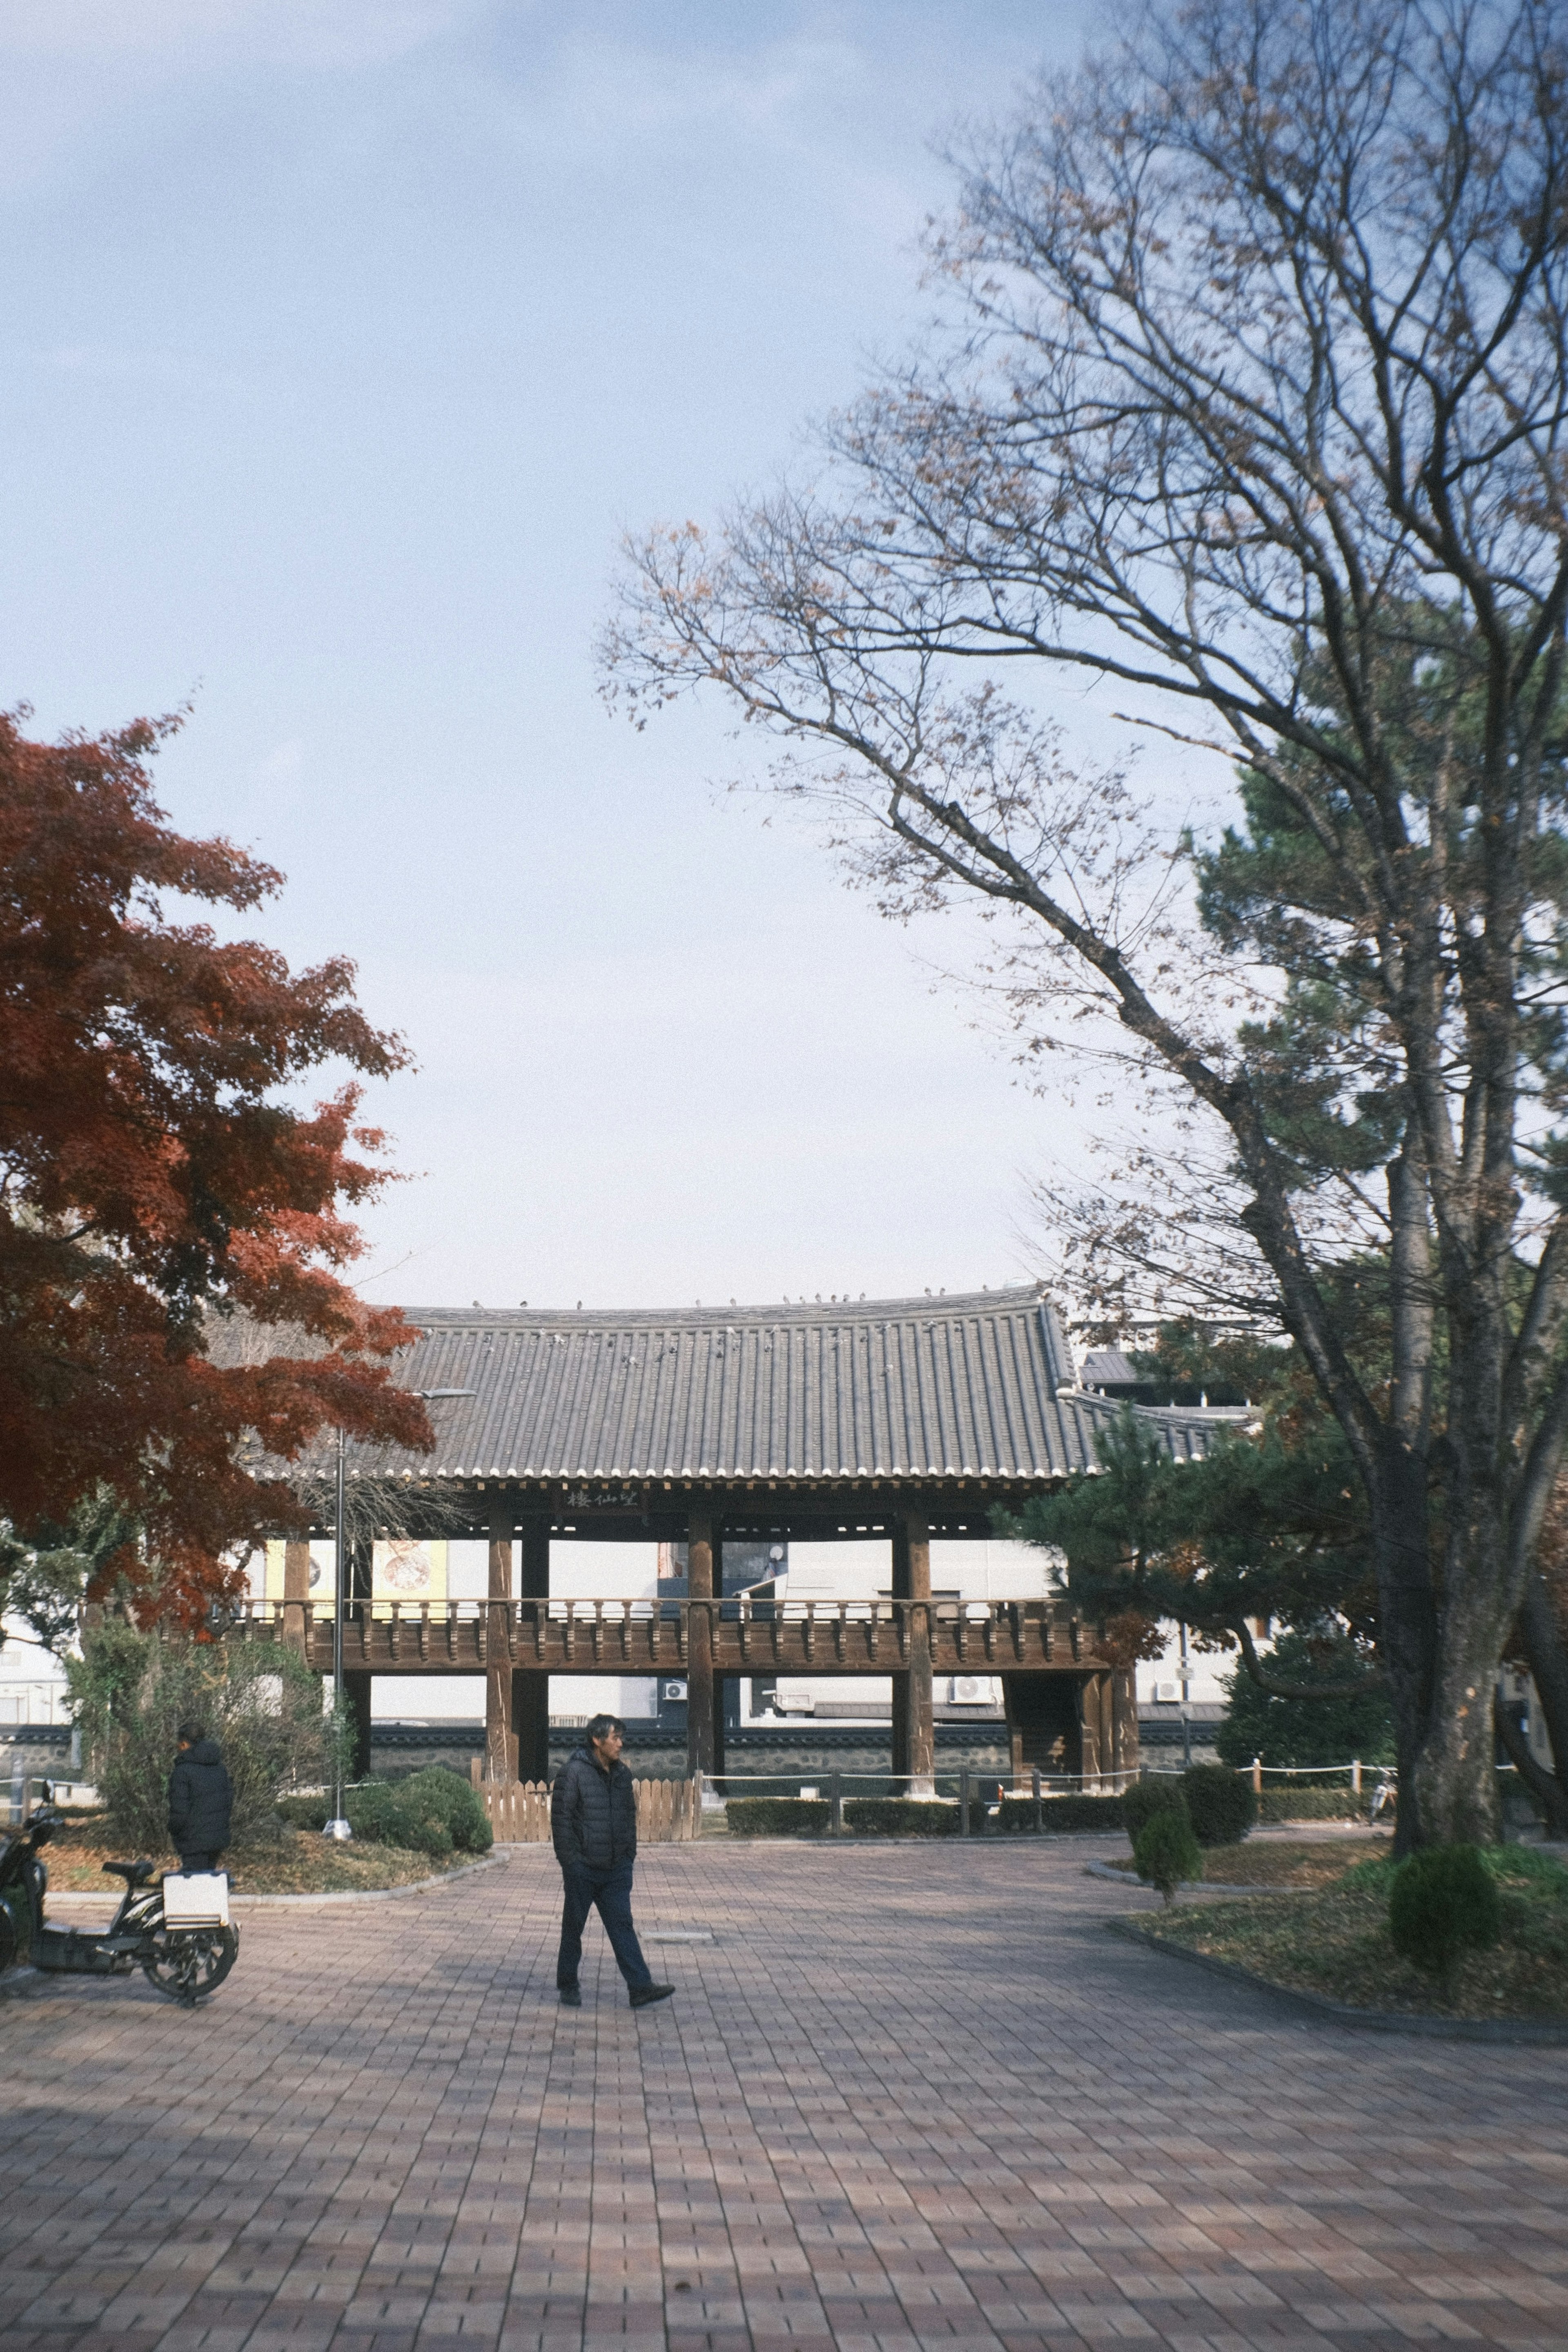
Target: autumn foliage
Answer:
[[155, 1179]]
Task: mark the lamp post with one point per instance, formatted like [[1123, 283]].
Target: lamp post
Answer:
[[338, 1827]]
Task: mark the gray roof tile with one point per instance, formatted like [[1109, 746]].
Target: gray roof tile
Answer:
[[978, 1386]]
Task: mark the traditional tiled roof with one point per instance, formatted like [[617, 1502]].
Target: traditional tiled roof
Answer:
[[976, 1387]]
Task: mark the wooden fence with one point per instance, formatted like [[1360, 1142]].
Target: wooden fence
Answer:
[[668, 1812]]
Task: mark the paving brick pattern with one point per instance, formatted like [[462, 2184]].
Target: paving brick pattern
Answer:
[[906, 2099]]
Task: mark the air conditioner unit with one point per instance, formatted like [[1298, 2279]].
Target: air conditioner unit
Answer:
[[1165, 1692], [971, 1690], [673, 1691]]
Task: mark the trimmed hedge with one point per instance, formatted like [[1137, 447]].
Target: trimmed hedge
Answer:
[[1220, 1804], [379, 1816], [901, 1817], [1062, 1815], [1340, 1804], [448, 1797], [1443, 1902], [1167, 1853], [777, 1816], [1160, 1793]]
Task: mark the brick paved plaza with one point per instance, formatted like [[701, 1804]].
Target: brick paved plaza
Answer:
[[905, 2098]]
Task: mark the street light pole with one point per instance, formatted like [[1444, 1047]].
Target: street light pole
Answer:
[[338, 1826]]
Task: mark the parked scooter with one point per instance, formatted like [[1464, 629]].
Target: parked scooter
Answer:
[[183, 1962]]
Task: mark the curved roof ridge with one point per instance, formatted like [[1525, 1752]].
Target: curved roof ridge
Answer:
[[1018, 1298]]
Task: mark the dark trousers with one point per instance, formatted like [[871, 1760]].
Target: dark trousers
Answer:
[[610, 1893], [207, 1860]]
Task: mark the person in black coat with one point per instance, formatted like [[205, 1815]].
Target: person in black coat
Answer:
[[201, 1799], [593, 1826]]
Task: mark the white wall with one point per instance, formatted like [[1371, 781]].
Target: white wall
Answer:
[[838, 1571], [603, 1572], [989, 1569], [981, 1570], [1205, 1669]]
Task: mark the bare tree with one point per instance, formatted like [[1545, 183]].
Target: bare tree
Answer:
[[1255, 406]]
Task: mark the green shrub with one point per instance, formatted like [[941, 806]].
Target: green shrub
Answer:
[[1444, 1902], [448, 1797], [305, 1812], [1299, 1804], [1062, 1815], [1160, 1793], [260, 1702], [1221, 1805], [432, 1811], [380, 1816], [1167, 1853], [901, 1817], [777, 1816]]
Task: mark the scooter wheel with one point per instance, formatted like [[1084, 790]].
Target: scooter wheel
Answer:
[[186, 1962]]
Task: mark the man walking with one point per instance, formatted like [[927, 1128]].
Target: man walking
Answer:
[[201, 1799], [593, 1823]]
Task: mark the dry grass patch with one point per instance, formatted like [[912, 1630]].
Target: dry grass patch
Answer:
[[1335, 1941]]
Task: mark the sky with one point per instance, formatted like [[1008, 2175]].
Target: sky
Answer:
[[339, 341]]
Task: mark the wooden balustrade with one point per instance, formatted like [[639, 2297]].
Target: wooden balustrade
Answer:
[[669, 1812], [749, 1636]]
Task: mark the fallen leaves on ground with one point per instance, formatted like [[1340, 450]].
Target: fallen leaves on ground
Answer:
[[301, 1863], [1311, 1863]]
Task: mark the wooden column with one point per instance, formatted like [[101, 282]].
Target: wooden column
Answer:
[[1088, 1726], [530, 1689], [356, 1695], [1108, 1723], [1124, 1710], [914, 1723], [702, 1548], [296, 1593], [501, 1739]]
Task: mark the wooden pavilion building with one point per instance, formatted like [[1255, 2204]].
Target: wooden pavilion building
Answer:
[[907, 1419]]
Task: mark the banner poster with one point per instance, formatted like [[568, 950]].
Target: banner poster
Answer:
[[408, 1569], [323, 1578]]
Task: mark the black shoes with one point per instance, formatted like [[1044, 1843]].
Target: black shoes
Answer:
[[648, 1994], [570, 1996]]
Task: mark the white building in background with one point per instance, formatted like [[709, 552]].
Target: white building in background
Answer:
[[975, 1571], [33, 1688]]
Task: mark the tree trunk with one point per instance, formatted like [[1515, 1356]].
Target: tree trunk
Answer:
[[1549, 1669], [1408, 1631], [1456, 1774]]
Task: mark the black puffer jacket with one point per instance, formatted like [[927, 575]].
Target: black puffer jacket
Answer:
[[200, 1799], [593, 1814]]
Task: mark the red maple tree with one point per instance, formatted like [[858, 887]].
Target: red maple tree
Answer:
[[152, 1180]]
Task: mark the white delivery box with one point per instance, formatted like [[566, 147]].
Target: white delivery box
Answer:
[[196, 1898]]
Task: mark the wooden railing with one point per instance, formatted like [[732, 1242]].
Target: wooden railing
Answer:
[[747, 1635], [669, 1812]]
